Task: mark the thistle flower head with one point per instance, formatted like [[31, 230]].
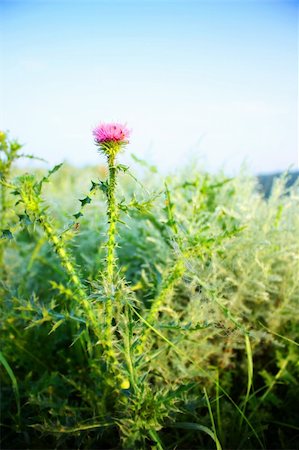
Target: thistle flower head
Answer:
[[111, 137]]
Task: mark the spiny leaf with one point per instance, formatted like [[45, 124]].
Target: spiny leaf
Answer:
[[56, 325], [77, 215], [94, 185], [62, 289], [85, 201], [104, 186], [122, 168], [55, 168]]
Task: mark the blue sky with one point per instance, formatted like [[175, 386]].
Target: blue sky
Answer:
[[212, 80]]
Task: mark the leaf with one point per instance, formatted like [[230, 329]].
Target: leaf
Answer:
[[56, 325], [177, 393], [104, 186], [122, 168], [249, 366], [154, 435], [123, 206], [7, 234], [215, 438], [85, 201], [25, 219], [197, 427], [94, 186], [79, 427], [220, 183], [62, 289], [55, 168], [77, 215], [13, 381], [45, 179]]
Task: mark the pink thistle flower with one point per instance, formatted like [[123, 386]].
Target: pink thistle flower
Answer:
[[114, 133]]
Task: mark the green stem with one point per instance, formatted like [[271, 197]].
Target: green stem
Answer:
[[3, 205], [112, 214], [64, 258], [80, 294], [3, 223], [112, 219]]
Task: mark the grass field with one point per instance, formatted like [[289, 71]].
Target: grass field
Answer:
[[161, 314]]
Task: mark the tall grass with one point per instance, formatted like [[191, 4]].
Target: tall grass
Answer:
[[201, 282]]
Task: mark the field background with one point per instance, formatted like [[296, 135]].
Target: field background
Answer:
[[220, 365]]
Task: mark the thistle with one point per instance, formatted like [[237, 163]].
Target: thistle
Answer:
[[111, 139]]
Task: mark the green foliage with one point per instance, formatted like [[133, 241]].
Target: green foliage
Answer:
[[196, 280]]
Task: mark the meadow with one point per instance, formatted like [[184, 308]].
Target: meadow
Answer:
[[150, 312]]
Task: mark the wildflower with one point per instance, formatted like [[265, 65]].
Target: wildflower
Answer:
[[111, 137]]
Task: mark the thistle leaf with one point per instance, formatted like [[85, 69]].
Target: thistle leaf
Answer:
[[85, 201]]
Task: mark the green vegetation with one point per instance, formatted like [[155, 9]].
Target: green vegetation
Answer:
[[179, 331]]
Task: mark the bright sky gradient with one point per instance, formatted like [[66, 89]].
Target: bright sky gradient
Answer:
[[212, 79]]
